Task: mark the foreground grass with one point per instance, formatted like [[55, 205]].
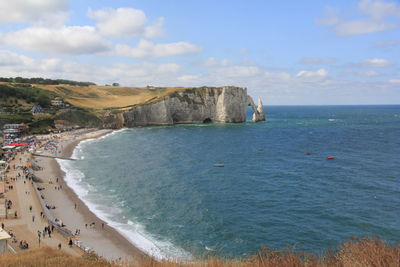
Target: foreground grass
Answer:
[[365, 252]]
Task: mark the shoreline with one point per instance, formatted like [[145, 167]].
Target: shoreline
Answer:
[[113, 245]]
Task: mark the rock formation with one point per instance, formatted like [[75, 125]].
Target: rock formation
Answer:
[[194, 105], [259, 114]]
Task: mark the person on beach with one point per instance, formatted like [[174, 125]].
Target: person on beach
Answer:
[[59, 246], [70, 242], [33, 218]]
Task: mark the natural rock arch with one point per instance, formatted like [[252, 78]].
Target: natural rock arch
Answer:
[[258, 112]]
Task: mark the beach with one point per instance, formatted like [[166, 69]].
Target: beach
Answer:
[[73, 212], [64, 205]]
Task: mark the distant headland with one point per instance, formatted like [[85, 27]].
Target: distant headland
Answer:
[[46, 104]]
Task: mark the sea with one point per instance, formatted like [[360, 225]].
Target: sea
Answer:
[[161, 188]]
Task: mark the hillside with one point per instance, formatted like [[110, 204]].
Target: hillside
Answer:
[[365, 252], [87, 102], [103, 97], [66, 104]]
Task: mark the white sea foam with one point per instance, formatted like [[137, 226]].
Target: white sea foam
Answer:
[[134, 232]]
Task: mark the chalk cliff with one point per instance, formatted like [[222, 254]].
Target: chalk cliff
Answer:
[[193, 105]]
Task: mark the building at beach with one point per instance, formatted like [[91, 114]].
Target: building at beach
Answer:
[[4, 237], [59, 103], [13, 131], [37, 109]]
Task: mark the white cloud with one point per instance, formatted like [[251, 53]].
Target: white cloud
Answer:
[[8, 58], [379, 9], [44, 12], [155, 30], [394, 81], [377, 63], [376, 11], [386, 43], [13, 64], [278, 76], [239, 71], [125, 22], [331, 17], [119, 22], [369, 73], [188, 78], [317, 60], [357, 27], [140, 74], [211, 61], [66, 40], [321, 73], [168, 68], [148, 49]]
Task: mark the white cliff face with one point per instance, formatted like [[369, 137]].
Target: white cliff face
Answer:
[[196, 105]]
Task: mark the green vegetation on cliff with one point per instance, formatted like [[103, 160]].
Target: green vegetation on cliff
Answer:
[[17, 100]]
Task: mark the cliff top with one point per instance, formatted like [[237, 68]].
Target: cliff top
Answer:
[[106, 97]]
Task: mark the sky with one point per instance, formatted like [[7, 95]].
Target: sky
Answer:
[[288, 52]]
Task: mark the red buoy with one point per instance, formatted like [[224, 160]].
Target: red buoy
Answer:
[[330, 157]]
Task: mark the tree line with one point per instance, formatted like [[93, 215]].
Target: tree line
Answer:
[[30, 95], [44, 81]]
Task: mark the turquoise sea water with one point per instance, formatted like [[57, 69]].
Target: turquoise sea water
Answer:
[[159, 187]]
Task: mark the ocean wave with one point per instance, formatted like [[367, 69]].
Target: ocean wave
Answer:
[[133, 231], [114, 132], [81, 144]]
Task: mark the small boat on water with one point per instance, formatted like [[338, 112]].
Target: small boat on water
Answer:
[[330, 157], [219, 165]]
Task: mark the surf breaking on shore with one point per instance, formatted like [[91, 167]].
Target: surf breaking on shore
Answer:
[[134, 232]]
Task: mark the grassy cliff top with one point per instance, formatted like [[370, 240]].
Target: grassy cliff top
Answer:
[[101, 97], [98, 97]]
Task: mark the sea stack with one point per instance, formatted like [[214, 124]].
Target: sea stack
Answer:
[[259, 114]]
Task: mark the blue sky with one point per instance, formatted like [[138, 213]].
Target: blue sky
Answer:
[[287, 52]]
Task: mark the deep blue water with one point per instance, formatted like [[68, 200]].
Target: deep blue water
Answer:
[[158, 185]]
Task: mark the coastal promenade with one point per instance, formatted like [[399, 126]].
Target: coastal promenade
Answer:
[[28, 222], [92, 233]]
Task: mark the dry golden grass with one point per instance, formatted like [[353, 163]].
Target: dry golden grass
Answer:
[[100, 97], [356, 253], [49, 257]]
